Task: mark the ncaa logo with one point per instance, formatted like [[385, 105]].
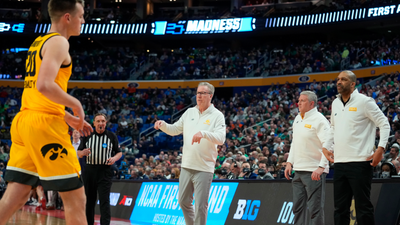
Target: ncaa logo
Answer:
[[304, 78], [104, 145], [247, 209]]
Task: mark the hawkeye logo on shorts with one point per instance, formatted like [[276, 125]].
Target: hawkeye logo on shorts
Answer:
[[55, 150]]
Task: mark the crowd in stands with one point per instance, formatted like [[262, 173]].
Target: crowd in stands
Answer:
[[258, 131], [125, 13], [209, 63]]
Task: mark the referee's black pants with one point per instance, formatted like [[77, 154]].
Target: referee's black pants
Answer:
[[353, 179], [97, 178]]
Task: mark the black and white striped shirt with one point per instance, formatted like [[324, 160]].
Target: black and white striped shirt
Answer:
[[102, 147]]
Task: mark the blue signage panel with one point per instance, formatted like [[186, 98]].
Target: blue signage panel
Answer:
[[157, 203], [211, 26], [12, 27], [332, 17]]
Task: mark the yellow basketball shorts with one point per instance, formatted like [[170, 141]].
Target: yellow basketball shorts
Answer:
[[41, 150]]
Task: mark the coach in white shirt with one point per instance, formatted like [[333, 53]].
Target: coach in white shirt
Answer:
[[309, 164], [354, 120], [203, 128]]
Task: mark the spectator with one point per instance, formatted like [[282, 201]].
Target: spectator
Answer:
[[246, 172], [175, 173], [263, 172], [392, 155], [307, 69]]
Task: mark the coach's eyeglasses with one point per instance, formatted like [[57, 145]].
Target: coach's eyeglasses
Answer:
[[202, 93]]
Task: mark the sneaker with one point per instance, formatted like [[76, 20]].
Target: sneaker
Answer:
[[50, 207], [43, 203], [34, 202]]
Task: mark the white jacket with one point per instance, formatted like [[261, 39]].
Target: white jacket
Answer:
[[353, 128], [309, 133], [211, 123]]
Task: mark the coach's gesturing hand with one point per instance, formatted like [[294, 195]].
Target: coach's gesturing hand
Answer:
[[158, 124], [197, 137]]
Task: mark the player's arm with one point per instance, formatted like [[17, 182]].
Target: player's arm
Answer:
[[54, 54], [74, 121]]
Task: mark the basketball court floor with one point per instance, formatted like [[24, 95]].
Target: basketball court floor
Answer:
[[28, 215]]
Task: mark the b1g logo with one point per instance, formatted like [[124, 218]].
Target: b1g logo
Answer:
[[54, 149], [286, 216], [247, 209]]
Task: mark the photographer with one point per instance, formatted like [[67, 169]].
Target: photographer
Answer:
[[226, 172], [159, 175], [263, 172], [246, 172], [141, 175]]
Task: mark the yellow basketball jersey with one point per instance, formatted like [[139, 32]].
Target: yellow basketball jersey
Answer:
[[32, 99]]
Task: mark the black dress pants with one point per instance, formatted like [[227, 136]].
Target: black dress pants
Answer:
[[353, 179], [97, 179]]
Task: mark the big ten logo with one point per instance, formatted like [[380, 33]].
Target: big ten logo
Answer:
[[126, 201], [286, 215], [247, 209], [353, 220]]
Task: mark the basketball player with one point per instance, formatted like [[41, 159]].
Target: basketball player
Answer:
[[41, 148]]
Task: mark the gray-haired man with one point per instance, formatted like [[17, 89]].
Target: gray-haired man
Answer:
[[311, 166], [203, 128]]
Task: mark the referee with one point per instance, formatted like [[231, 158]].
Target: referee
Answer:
[[101, 148]]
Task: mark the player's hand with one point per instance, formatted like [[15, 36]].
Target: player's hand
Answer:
[[158, 124], [74, 122], [288, 170], [110, 161], [316, 175], [78, 111], [84, 152], [197, 137], [376, 157], [87, 129], [328, 154]]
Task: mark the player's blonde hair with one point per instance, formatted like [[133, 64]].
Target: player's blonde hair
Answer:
[[58, 8]]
